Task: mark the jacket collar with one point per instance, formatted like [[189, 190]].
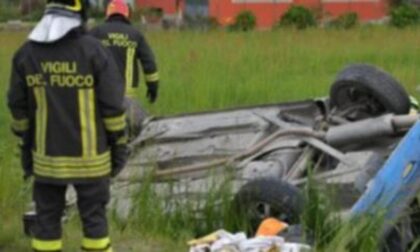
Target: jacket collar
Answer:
[[53, 27], [117, 19]]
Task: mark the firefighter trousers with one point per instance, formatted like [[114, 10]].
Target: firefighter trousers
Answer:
[[50, 201]]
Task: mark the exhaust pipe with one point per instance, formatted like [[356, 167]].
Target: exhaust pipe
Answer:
[[366, 130]]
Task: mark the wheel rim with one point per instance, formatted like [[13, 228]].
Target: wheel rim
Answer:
[[358, 103], [262, 210]]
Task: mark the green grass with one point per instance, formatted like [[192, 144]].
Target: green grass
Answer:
[[208, 71]]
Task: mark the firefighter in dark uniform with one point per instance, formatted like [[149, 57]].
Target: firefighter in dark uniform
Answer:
[[67, 108], [129, 47]]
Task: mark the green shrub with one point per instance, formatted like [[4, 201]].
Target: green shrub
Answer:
[[33, 16], [244, 21], [13, 11], [405, 15], [97, 13], [6, 15], [345, 21], [298, 17]]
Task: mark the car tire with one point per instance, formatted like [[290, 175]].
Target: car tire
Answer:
[[267, 197], [366, 84]]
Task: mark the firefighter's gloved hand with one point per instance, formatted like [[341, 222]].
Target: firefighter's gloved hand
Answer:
[[119, 156], [152, 91], [26, 162]]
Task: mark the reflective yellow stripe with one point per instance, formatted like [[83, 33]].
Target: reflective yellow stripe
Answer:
[[115, 123], [72, 161], [129, 70], [92, 117], [81, 172], [20, 125], [152, 77], [72, 173], [83, 113], [72, 167], [115, 120], [54, 245], [66, 170], [87, 122], [76, 7], [96, 244], [41, 119]]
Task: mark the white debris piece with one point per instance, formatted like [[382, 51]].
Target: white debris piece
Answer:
[[262, 244], [226, 242]]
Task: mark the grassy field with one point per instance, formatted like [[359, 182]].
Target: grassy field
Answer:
[[202, 71]]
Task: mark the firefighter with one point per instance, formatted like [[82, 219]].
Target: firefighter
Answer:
[[129, 47], [67, 108]]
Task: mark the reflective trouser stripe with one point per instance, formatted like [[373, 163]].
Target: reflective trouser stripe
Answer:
[[41, 119], [103, 245], [87, 122], [129, 70], [41, 245]]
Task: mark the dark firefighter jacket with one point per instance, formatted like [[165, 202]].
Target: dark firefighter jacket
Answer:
[[128, 45], [66, 104]]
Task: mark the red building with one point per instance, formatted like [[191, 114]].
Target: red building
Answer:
[[169, 7], [269, 11]]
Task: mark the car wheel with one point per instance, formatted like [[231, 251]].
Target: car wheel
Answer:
[[267, 197], [361, 91]]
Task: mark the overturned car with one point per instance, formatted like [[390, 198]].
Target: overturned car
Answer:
[[268, 151]]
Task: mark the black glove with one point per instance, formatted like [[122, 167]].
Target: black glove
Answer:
[[152, 91], [26, 162], [119, 156]]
